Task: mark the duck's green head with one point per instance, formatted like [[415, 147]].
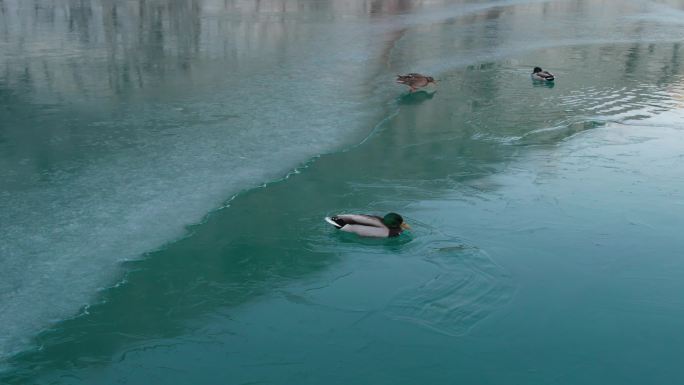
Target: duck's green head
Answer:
[[394, 220]]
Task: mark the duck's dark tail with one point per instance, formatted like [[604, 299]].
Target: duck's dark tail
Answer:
[[335, 221]]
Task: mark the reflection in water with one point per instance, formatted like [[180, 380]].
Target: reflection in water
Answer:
[[544, 84], [141, 44], [416, 97]]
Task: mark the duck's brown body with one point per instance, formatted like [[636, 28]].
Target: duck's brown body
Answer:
[[415, 80]]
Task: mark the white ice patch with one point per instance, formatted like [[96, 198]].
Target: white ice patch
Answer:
[[131, 183]]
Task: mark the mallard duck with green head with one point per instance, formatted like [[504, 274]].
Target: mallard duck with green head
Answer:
[[415, 81], [541, 75], [391, 225]]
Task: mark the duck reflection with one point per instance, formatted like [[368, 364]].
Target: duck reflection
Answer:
[[414, 98]]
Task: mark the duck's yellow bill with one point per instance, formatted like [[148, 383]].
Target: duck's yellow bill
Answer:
[[405, 226]]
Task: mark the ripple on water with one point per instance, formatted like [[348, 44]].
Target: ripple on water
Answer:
[[437, 281], [467, 288], [644, 99]]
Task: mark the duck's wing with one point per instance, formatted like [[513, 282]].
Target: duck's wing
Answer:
[[412, 79], [367, 231], [542, 76], [419, 82], [359, 219], [360, 224], [363, 225]]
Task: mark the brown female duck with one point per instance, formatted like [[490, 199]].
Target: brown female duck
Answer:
[[415, 81]]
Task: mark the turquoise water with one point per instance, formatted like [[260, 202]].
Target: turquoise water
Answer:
[[166, 167]]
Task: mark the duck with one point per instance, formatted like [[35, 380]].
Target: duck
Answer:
[[540, 74], [389, 226], [415, 81]]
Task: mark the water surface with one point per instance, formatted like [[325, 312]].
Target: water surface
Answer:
[[166, 166]]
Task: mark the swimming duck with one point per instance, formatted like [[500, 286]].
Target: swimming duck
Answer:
[[415, 81], [391, 225], [539, 74]]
